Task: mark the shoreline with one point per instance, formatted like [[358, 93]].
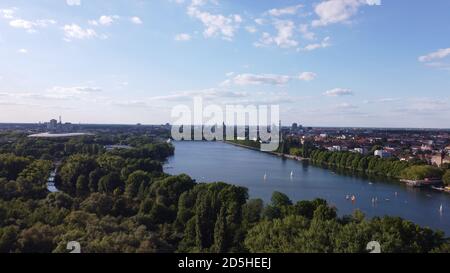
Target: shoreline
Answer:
[[292, 157], [301, 159]]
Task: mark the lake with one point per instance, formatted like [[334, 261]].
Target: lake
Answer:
[[218, 161]]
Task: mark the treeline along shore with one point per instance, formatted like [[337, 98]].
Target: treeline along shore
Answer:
[[391, 168]]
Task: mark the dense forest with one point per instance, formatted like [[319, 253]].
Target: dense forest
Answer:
[[120, 200]]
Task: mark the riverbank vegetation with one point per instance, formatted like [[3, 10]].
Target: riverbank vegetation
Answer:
[[446, 178], [246, 143], [421, 172], [122, 201], [358, 163]]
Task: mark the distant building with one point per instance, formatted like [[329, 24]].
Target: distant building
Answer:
[[382, 154], [426, 147], [52, 125], [334, 148], [447, 149], [440, 159], [294, 127], [362, 151]]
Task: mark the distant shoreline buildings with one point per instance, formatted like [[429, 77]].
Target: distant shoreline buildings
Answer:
[[53, 126]]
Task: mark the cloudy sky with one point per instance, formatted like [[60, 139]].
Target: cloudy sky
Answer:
[[382, 63]]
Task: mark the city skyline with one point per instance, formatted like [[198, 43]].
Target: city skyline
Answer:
[[349, 63]]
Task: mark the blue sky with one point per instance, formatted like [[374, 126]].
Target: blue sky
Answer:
[[325, 62]]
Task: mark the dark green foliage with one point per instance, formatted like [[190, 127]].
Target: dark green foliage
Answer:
[[446, 178], [421, 172], [212, 214], [370, 164], [324, 232], [11, 166]]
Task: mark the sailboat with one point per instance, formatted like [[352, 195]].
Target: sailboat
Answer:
[[441, 209], [292, 174], [265, 176]]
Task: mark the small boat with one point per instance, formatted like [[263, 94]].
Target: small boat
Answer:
[[353, 198], [347, 197]]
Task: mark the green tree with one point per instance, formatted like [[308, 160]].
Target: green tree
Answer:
[[110, 182], [82, 186], [134, 182], [446, 178], [280, 200]]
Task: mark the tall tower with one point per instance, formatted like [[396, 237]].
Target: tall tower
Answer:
[[280, 131]]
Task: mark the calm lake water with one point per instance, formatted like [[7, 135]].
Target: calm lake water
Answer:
[[217, 161]]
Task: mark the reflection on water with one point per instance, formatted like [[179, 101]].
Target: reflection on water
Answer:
[[263, 174]]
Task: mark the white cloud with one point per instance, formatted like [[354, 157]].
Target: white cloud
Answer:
[[19, 23], [324, 44], [182, 37], [382, 100], [75, 90], [73, 2], [131, 103], [22, 51], [437, 55], [104, 20], [337, 92], [307, 76], [284, 37], [178, 1], [136, 20], [57, 93], [74, 31], [425, 106], [209, 94], [292, 10], [31, 26], [339, 11], [257, 79], [223, 97], [251, 29], [306, 33], [215, 24], [345, 106], [259, 21], [71, 92], [7, 13]]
